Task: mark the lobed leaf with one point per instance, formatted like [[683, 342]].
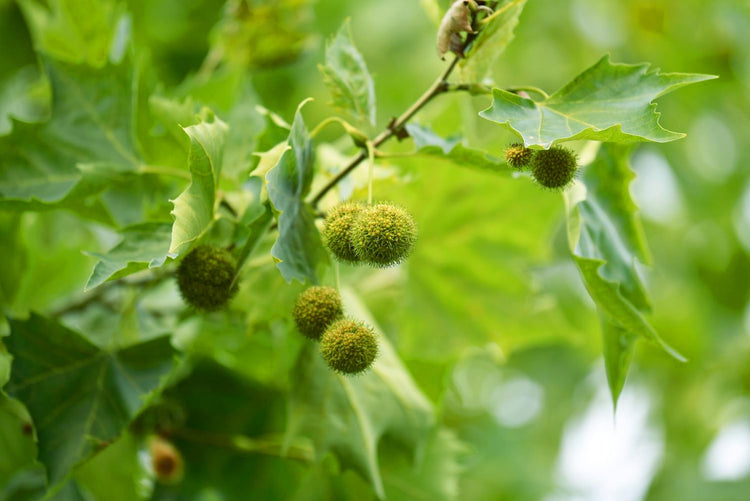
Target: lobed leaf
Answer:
[[298, 248], [607, 102], [346, 76], [90, 124], [79, 396], [605, 240], [194, 208]]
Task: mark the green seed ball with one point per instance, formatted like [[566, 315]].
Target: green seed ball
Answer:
[[317, 308], [348, 346], [554, 168], [518, 156], [337, 230], [205, 277], [383, 234]]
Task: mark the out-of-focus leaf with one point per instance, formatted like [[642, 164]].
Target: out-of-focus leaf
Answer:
[[349, 415], [75, 31], [434, 476], [80, 396], [492, 40], [142, 246], [345, 73], [619, 348], [229, 436], [90, 125], [23, 96], [607, 102], [115, 473], [605, 241], [298, 248], [452, 152], [194, 208], [16, 439], [263, 33]]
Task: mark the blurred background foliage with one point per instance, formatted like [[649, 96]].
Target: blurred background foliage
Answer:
[[489, 314]]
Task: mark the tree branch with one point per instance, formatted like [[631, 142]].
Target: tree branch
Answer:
[[438, 87]]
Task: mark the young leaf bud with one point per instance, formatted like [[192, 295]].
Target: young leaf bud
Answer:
[[206, 278], [554, 168], [317, 308], [383, 234], [337, 230], [348, 346]]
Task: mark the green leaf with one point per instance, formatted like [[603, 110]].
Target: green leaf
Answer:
[[194, 208], [115, 474], [605, 240], [298, 247], [492, 40], [142, 246], [23, 96], [90, 125], [435, 476], [349, 415], [619, 348], [79, 396], [345, 73], [452, 152], [75, 31], [607, 102]]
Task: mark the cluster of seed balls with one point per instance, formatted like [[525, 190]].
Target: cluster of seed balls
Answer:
[[381, 235], [348, 346], [554, 168]]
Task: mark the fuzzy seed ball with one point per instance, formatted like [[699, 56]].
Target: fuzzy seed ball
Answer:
[[317, 308], [205, 277], [554, 168], [518, 156], [166, 461], [348, 346], [337, 230], [383, 234]]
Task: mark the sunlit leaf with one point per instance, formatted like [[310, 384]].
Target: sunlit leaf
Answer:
[[194, 208], [607, 102], [298, 248], [80, 396]]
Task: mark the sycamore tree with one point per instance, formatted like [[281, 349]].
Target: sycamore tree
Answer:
[[214, 288]]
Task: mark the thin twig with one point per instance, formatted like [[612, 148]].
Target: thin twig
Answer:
[[438, 87]]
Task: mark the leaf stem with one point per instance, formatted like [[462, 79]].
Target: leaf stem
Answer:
[[163, 170], [438, 87], [268, 445], [527, 88]]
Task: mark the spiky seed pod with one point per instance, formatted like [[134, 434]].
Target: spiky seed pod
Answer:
[[554, 168], [383, 234], [337, 230], [518, 156], [166, 461], [348, 346], [206, 277], [317, 308]]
